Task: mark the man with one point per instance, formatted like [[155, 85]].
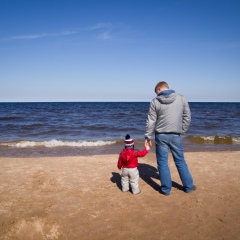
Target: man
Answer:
[[169, 116]]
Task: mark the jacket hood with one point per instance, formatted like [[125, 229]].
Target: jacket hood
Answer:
[[127, 154], [167, 96]]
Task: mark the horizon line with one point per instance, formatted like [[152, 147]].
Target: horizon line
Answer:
[[112, 101]]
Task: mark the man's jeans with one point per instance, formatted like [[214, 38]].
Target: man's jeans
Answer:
[[171, 141]]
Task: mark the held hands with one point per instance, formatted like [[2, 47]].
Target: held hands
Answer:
[[148, 143]]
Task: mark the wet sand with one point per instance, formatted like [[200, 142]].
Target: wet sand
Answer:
[[80, 198]]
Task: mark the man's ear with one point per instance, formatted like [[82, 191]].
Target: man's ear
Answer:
[[158, 90]]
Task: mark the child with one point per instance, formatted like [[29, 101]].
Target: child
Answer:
[[128, 162]]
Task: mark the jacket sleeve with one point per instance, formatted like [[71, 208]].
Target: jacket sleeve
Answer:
[[120, 164], [142, 153], [186, 115], [151, 120]]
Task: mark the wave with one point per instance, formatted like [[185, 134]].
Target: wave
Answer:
[[214, 139], [55, 143]]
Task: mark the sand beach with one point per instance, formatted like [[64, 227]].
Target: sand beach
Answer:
[[79, 197]]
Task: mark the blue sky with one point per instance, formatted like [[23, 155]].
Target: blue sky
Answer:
[[55, 50]]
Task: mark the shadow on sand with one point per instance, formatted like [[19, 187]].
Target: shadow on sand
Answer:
[[147, 173]]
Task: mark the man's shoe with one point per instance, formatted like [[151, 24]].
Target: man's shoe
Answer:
[[194, 188], [163, 193]]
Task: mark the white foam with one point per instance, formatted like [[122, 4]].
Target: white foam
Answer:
[[57, 143], [236, 139], [208, 138]]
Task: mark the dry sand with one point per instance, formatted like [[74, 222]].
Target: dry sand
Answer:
[[80, 198]]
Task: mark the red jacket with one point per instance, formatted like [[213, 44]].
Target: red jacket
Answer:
[[128, 158]]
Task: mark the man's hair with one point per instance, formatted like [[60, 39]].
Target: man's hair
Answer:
[[161, 85]]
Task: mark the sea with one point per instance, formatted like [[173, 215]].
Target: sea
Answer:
[[43, 129]]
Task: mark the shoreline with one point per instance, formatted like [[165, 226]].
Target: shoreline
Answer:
[[79, 197], [39, 152]]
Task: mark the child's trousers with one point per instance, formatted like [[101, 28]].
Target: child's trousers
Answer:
[[130, 176]]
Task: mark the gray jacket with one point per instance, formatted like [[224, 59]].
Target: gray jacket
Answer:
[[169, 112]]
